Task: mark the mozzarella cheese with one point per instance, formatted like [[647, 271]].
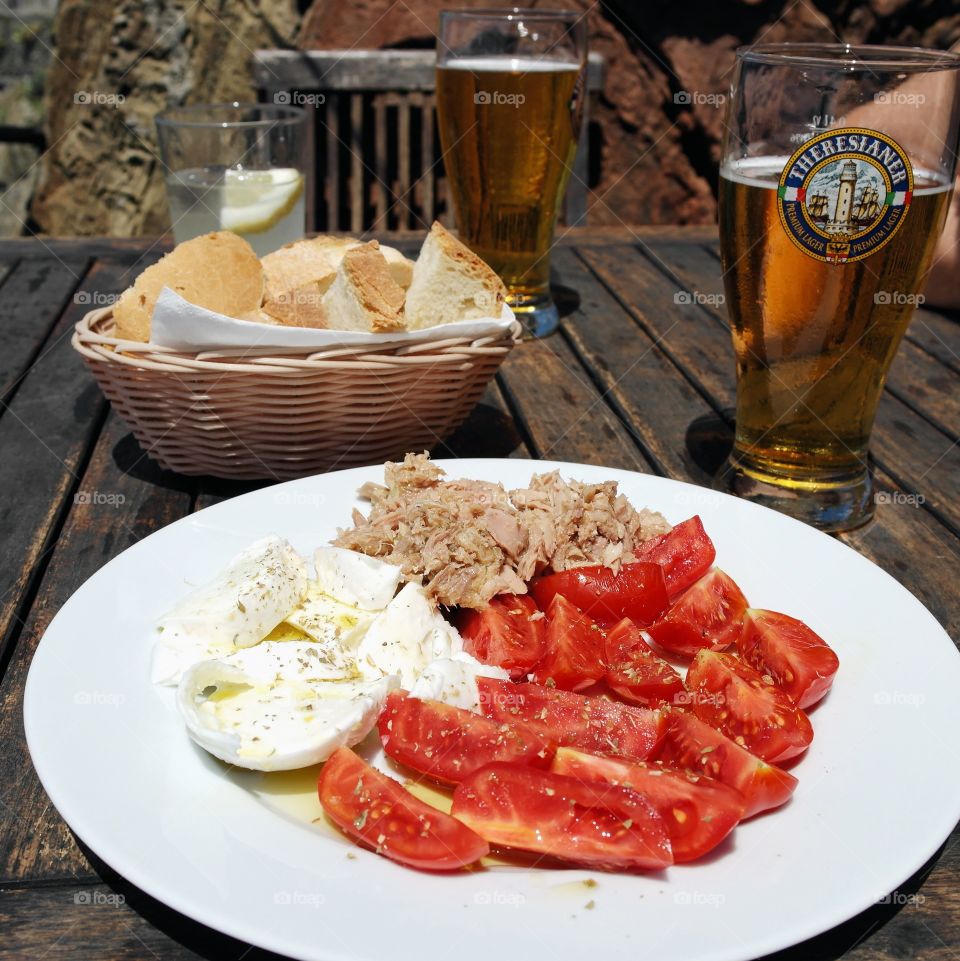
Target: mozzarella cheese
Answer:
[[335, 626], [453, 680], [406, 636], [278, 706], [261, 586], [355, 579]]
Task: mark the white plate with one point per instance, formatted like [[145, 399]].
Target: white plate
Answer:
[[875, 799]]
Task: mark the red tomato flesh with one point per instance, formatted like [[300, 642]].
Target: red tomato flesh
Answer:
[[798, 659], [698, 811], [593, 724], [746, 706], [574, 657], [691, 744], [380, 813], [448, 743], [685, 553], [707, 615], [634, 672], [636, 591], [509, 633], [592, 824]]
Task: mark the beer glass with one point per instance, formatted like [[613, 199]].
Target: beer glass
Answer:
[[510, 87], [836, 174]]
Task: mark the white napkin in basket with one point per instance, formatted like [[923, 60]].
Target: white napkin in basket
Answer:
[[183, 326]]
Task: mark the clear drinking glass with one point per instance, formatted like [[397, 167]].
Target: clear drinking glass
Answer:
[[236, 166], [510, 87], [837, 171]]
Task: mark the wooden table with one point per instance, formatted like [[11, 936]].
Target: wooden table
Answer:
[[635, 380]]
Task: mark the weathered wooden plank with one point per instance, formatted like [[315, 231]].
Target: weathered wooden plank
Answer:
[[638, 379], [113, 507], [32, 299], [938, 335], [900, 540], [555, 404], [928, 386]]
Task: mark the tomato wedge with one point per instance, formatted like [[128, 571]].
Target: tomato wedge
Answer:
[[707, 615], [634, 671], [698, 811], [566, 719], [380, 813], [691, 744], [636, 591], [734, 698], [798, 659], [448, 743], [509, 633], [685, 553], [574, 657], [592, 824]]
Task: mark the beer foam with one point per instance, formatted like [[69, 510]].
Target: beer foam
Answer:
[[765, 172], [510, 65]]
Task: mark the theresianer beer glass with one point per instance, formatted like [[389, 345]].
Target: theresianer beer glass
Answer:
[[837, 171], [510, 86]]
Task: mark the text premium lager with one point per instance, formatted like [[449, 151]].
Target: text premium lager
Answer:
[[509, 130], [814, 339]]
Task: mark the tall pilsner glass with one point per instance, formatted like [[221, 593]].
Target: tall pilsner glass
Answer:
[[837, 171], [510, 87]]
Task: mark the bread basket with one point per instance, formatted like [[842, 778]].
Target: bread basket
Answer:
[[288, 413]]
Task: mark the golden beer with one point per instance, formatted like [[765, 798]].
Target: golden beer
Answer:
[[813, 340], [509, 133]]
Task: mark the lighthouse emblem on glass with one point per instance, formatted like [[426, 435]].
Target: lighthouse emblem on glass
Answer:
[[845, 193]]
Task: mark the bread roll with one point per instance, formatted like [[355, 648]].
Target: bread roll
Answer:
[[450, 283], [364, 295], [218, 271]]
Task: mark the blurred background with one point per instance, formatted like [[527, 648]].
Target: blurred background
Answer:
[[82, 79]]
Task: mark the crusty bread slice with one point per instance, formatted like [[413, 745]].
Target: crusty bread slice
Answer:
[[450, 282], [295, 279], [364, 295], [218, 271]]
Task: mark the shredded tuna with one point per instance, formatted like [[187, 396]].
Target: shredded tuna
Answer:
[[467, 541]]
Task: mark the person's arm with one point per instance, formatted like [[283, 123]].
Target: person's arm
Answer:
[[943, 284]]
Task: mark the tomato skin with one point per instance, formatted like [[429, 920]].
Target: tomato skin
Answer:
[[798, 659], [634, 671], [448, 743], [509, 633], [707, 615], [731, 696], [698, 811], [567, 719], [574, 657], [599, 826], [685, 553], [696, 746], [636, 591], [378, 812]]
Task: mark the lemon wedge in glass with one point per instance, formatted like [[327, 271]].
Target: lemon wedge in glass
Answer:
[[255, 201]]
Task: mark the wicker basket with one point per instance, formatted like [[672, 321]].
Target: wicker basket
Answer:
[[239, 414]]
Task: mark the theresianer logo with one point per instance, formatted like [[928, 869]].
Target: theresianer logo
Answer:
[[845, 193]]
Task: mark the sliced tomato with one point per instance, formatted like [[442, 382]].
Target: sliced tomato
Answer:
[[634, 671], [691, 744], [698, 811], [708, 614], [592, 824], [448, 743], [685, 553], [380, 813], [574, 657], [509, 633], [747, 706], [594, 724], [798, 659], [636, 591]]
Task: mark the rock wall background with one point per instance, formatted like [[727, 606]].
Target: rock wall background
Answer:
[[119, 61]]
